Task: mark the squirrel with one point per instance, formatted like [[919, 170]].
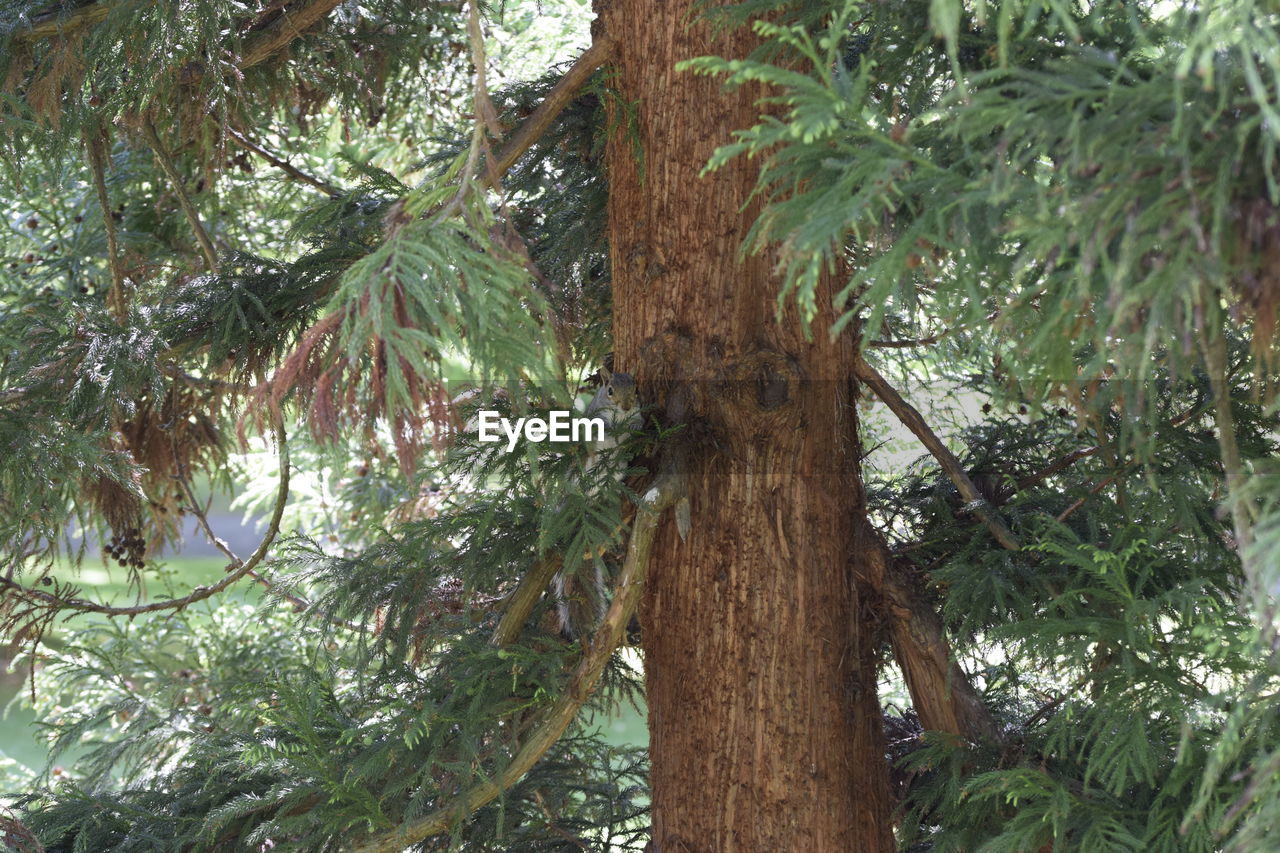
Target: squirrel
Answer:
[[617, 403]]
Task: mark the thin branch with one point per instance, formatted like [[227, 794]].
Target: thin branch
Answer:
[[193, 218], [1052, 705], [97, 164], [283, 165], [1057, 466], [912, 420], [560, 96], [484, 115], [200, 593], [1067, 460], [918, 342], [1079, 502], [551, 823], [626, 596], [218, 542]]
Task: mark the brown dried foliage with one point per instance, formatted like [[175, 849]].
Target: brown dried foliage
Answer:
[[61, 71], [170, 439], [117, 505], [16, 837], [338, 390]]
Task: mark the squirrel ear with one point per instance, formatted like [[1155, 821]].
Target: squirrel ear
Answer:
[[605, 374]]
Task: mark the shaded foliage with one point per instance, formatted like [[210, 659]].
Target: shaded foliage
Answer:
[[1067, 207]]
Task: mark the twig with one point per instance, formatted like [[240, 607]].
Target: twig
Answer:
[[1052, 705], [918, 342], [199, 593], [1079, 502], [1057, 466], [560, 96], [184, 201], [626, 596], [97, 164], [283, 165], [551, 823], [484, 115], [221, 544], [912, 420]]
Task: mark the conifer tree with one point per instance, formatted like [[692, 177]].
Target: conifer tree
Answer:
[[953, 523]]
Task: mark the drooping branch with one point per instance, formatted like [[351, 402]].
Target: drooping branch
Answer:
[[560, 96], [283, 165], [184, 201], [218, 542], [17, 836], [80, 605], [626, 595], [485, 116], [913, 421]]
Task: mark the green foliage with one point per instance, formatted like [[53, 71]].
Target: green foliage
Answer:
[[1073, 192], [1066, 202], [1077, 199]]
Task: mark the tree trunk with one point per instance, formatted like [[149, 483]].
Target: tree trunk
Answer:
[[765, 727]]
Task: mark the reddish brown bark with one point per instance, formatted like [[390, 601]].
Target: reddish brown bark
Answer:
[[941, 694], [764, 722]]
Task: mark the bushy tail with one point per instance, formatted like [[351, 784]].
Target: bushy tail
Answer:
[[582, 597]]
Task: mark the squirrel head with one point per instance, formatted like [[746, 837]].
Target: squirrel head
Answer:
[[620, 388]]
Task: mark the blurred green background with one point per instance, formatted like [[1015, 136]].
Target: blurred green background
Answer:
[[20, 738]]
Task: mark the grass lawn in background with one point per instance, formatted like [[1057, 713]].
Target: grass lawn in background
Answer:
[[19, 738]]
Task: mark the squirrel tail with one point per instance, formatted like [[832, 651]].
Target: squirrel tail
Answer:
[[580, 602]]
